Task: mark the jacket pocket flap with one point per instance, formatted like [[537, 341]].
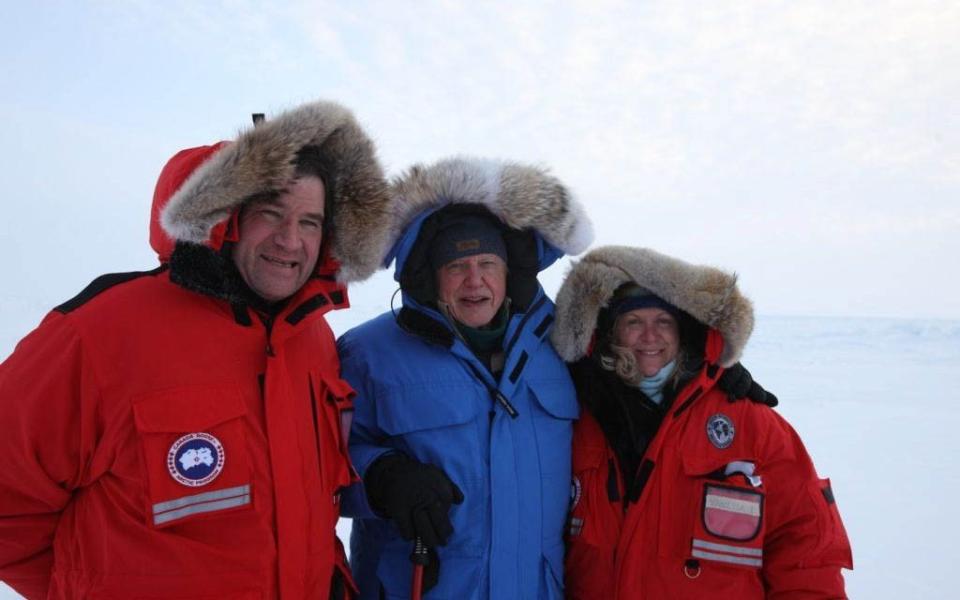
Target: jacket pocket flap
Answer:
[[411, 409], [724, 467], [339, 388], [187, 409], [557, 398]]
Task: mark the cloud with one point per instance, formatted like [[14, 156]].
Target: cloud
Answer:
[[697, 128]]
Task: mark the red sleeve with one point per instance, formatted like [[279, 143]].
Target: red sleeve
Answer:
[[594, 522], [806, 544], [46, 396]]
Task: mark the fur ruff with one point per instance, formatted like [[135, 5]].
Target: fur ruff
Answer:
[[262, 160], [523, 197], [707, 294]]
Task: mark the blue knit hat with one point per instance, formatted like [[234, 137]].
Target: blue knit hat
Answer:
[[466, 235], [640, 298], [627, 297]]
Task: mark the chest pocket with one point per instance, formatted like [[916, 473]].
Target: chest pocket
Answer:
[[723, 520], [331, 400], [412, 409], [445, 424], [194, 453], [554, 411]]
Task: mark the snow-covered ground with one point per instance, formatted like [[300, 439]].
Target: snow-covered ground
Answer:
[[874, 401]]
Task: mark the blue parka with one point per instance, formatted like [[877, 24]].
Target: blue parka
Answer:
[[423, 392]]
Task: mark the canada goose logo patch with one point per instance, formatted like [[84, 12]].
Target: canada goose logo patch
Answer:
[[195, 459]]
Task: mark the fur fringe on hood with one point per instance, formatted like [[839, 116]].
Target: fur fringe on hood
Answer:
[[705, 293], [523, 197], [262, 160]]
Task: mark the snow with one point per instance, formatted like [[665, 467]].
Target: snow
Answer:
[[874, 402]]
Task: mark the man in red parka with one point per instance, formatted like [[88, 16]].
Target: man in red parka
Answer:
[[181, 432]]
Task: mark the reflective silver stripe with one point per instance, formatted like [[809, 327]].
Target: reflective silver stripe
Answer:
[[751, 508], [725, 548], [736, 560], [200, 508], [204, 497]]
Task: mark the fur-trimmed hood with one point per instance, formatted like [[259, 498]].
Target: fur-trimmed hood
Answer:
[[522, 197], [262, 161], [707, 294]]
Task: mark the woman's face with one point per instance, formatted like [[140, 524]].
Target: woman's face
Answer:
[[651, 334]]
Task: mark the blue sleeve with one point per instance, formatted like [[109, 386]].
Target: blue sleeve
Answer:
[[366, 438]]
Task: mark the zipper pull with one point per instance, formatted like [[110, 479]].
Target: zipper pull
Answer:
[[502, 401], [268, 326]]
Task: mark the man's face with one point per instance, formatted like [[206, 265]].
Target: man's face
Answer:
[[280, 240], [473, 287]]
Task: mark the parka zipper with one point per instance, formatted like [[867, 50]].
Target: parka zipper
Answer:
[[268, 325], [495, 394]]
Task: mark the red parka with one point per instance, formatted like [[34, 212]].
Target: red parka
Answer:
[[726, 501], [163, 440]]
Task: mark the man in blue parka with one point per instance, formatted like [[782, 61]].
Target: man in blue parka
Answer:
[[463, 414]]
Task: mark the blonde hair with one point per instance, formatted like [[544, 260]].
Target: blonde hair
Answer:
[[621, 360]]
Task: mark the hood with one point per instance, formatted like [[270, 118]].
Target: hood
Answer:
[[526, 200], [707, 294], [201, 189]]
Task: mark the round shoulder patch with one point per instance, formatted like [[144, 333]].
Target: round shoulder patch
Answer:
[[195, 459], [720, 430], [576, 490]]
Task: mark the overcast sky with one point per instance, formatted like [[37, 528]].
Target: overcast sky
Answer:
[[812, 147]]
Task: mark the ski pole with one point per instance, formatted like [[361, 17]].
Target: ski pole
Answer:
[[419, 558]]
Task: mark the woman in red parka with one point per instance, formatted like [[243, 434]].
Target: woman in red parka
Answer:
[[678, 492]]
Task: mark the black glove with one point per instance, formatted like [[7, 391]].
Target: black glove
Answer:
[[738, 384], [416, 496]]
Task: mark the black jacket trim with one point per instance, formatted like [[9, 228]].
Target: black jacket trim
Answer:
[[201, 269], [640, 482], [416, 323], [102, 284], [306, 307], [828, 494], [613, 491], [241, 315], [686, 403], [521, 363], [544, 325]]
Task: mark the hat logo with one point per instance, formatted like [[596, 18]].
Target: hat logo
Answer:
[[720, 430], [195, 459], [466, 245]]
